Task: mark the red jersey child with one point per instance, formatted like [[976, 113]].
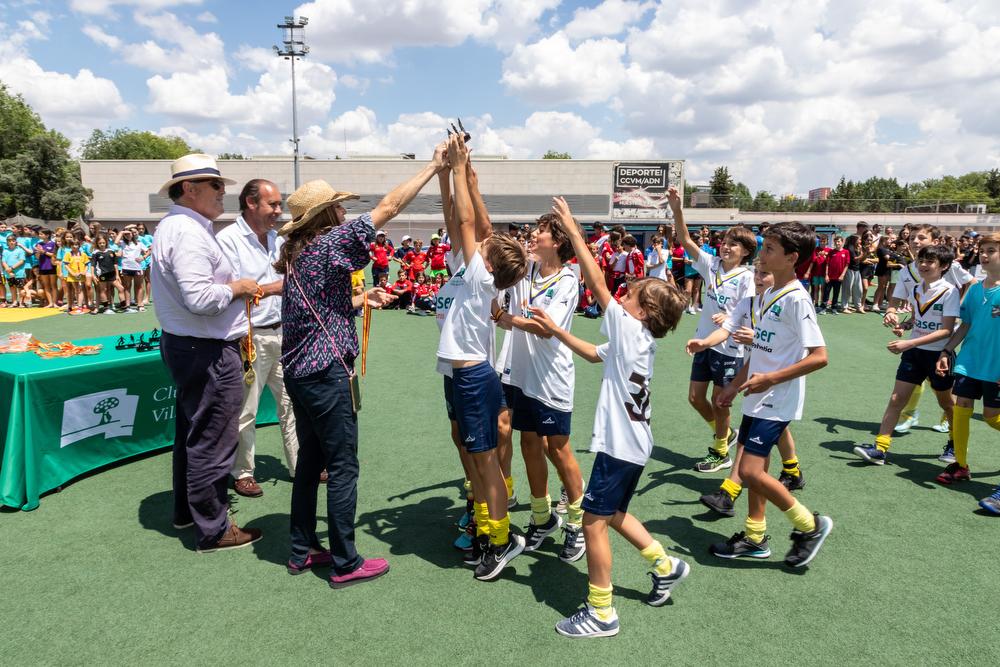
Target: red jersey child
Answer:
[[423, 294], [415, 260], [380, 252], [436, 253], [402, 288], [635, 263]]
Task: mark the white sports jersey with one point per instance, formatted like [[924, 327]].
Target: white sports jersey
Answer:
[[443, 302], [618, 262], [723, 291], [909, 278], [739, 316], [785, 326], [621, 423], [930, 306], [509, 299], [660, 270], [543, 367]]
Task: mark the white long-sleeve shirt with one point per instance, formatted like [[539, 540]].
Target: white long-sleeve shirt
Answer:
[[189, 278]]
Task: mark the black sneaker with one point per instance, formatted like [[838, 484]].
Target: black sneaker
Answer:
[[741, 546], [663, 583], [479, 546], [719, 502], [535, 535], [805, 546], [574, 546], [496, 557], [792, 482]]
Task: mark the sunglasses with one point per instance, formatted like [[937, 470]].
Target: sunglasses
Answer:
[[215, 183]]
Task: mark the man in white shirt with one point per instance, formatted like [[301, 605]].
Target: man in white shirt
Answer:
[[253, 245], [200, 305]]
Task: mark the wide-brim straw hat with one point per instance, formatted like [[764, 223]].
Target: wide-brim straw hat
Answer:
[[309, 200], [193, 167]]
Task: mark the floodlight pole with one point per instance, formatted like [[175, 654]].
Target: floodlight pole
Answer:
[[293, 32]]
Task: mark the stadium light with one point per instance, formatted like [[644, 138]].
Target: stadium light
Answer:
[[293, 37]]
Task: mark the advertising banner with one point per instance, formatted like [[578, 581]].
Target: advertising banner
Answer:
[[639, 190]]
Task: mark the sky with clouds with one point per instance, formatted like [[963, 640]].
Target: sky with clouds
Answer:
[[789, 95]]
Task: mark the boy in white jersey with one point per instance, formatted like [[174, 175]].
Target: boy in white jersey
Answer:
[[727, 282], [977, 367], [935, 304], [467, 340], [722, 501], [920, 237], [622, 438], [787, 346], [541, 376]]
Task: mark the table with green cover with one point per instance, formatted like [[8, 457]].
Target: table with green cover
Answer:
[[67, 416]]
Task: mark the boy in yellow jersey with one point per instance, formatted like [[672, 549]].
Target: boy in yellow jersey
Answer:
[[909, 277], [791, 477], [977, 368], [727, 281], [935, 308], [787, 346], [622, 438]]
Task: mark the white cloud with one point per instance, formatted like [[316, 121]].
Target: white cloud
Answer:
[[611, 17], [207, 17], [101, 37], [106, 6], [552, 72]]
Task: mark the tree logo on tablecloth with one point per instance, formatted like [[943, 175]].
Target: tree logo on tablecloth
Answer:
[[108, 413]]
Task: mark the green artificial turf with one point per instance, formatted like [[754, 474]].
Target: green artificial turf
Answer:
[[909, 574]]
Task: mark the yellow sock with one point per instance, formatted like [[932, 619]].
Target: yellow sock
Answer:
[[993, 422], [791, 466], [755, 530], [883, 442], [482, 519], [541, 509], [913, 403], [468, 489], [801, 518], [600, 599], [499, 530], [722, 446], [732, 488], [574, 512], [657, 557], [509, 481], [960, 418]]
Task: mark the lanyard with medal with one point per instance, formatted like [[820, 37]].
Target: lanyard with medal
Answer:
[[534, 293]]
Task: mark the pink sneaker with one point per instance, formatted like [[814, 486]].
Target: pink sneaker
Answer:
[[322, 559], [370, 569]]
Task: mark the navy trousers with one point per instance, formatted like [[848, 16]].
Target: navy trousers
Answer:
[[327, 428], [208, 375]]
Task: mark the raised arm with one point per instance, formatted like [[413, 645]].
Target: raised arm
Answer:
[[484, 226], [458, 156], [584, 349], [394, 202], [592, 273], [680, 227], [448, 210]]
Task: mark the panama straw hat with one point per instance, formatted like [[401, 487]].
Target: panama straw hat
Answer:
[[192, 167], [309, 200]]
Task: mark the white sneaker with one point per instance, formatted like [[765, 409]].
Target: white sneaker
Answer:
[[942, 427], [908, 423]]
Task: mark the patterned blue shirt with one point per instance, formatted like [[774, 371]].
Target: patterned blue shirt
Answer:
[[323, 271]]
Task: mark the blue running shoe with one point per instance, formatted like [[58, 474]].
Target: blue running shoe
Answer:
[[871, 453], [991, 503], [585, 623], [464, 521], [463, 542]]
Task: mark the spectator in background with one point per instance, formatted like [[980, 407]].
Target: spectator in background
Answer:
[[415, 261], [45, 254], [597, 234], [658, 260], [437, 254], [14, 270], [380, 252], [635, 263], [405, 246], [402, 289], [817, 271], [423, 295]]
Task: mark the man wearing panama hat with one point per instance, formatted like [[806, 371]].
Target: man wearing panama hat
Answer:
[[200, 304], [319, 346]]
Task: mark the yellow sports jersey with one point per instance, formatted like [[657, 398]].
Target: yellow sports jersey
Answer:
[[357, 280], [76, 264]]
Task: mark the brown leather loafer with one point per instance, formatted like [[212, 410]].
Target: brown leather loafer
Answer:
[[234, 538], [247, 486]]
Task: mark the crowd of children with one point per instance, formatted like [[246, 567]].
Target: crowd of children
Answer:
[[78, 270]]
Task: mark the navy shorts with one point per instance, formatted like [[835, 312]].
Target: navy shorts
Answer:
[[531, 415], [508, 397], [975, 390], [759, 436], [916, 365], [476, 401], [712, 366], [449, 397], [611, 486]]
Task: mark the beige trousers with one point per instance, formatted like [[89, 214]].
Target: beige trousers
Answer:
[[268, 372]]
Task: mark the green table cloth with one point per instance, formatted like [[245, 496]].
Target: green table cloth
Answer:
[[67, 416]]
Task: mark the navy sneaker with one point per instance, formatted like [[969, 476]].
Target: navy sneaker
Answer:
[[741, 546], [948, 454], [719, 502], [792, 482], [663, 583], [805, 546], [585, 623], [535, 535], [574, 546], [871, 453]]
